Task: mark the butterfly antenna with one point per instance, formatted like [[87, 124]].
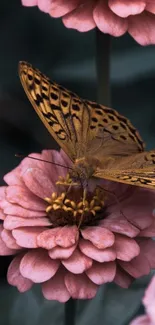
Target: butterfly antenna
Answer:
[[43, 160]]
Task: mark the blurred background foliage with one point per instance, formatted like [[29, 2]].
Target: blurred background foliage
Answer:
[[69, 58]]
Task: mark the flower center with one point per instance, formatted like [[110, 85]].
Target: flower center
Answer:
[[70, 208]]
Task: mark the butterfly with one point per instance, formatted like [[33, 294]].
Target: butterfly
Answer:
[[100, 142]]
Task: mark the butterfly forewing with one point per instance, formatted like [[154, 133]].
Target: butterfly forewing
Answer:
[[60, 110]]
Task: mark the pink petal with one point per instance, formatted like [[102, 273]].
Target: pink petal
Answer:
[[44, 5], [60, 252], [149, 300], [141, 28], [100, 237], [147, 247], [47, 238], [8, 239], [150, 6], [120, 225], [2, 215], [101, 273], [15, 278], [99, 255], [55, 156], [126, 248], [77, 263], [2, 192], [16, 210], [107, 21], [122, 278], [37, 266], [138, 207], [141, 320], [125, 8], [67, 236], [80, 287], [38, 182], [12, 222], [81, 18], [4, 250], [27, 236], [137, 267], [60, 8], [29, 3], [21, 196], [13, 177], [55, 289], [149, 231]]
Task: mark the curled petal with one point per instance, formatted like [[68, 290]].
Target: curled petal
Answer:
[[37, 266], [80, 287], [125, 8], [107, 21], [77, 263], [122, 278], [99, 255], [137, 267], [38, 182], [47, 238], [81, 18], [67, 236], [60, 252], [126, 248], [8, 239], [12, 222], [27, 236], [100, 237], [101, 273], [15, 278], [55, 288], [21, 196]]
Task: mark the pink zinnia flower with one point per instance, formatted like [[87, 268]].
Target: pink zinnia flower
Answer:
[[115, 17], [149, 303], [69, 256]]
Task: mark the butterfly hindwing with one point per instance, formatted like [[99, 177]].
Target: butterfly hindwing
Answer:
[[138, 169]]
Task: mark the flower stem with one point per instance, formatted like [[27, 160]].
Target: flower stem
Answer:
[[103, 67], [70, 312]]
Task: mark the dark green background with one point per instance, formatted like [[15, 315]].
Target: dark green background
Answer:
[[68, 57]]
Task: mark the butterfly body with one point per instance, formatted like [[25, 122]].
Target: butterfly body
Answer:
[[99, 141]]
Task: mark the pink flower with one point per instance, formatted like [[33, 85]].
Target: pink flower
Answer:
[[149, 303], [70, 255], [115, 17]]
